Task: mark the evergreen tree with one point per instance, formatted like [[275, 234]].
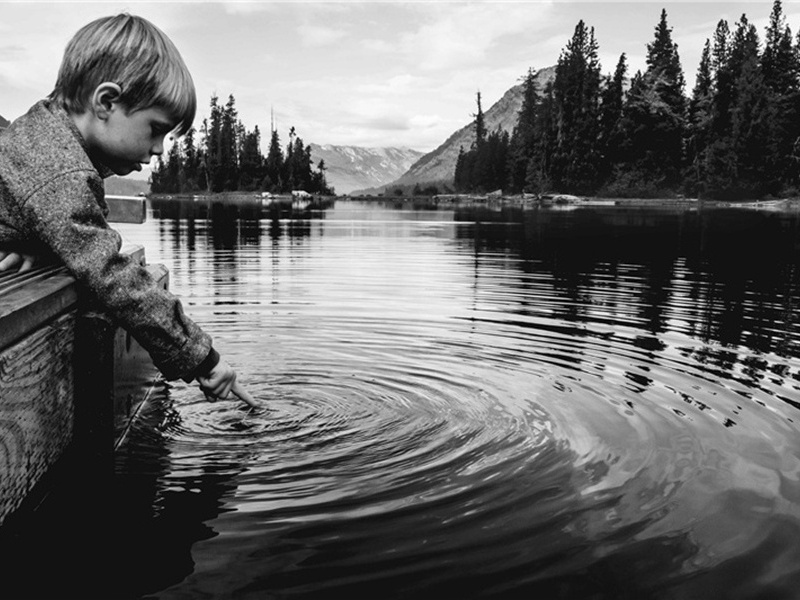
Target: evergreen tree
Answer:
[[480, 124], [779, 67], [611, 113], [214, 170], [739, 158], [779, 62], [484, 167], [191, 163], [523, 144], [251, 161], [723, 80], [700, 115], [576, 90], [289, 181], [158, 182], [273, 179], [228, 154], [664, 77], [461, 178], [319, 181]]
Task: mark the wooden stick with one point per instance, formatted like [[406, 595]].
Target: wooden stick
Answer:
[[243, 395]]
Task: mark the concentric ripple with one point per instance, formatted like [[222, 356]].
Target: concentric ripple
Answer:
[[489, 423]]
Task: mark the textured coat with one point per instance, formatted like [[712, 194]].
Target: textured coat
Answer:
[[52, 204]]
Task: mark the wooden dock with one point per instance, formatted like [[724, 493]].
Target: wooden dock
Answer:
[[69, 378]]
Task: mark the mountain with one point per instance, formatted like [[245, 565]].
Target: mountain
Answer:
[[126, 186], [440, 164], [3, 123], [351, 167]]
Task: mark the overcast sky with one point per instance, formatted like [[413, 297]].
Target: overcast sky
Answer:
[[362, 73]]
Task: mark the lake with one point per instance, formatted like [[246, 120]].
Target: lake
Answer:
[[461, 401]]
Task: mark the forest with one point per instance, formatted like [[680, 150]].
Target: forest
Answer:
[[736, 136], [225, 156]]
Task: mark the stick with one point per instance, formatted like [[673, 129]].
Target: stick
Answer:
[[243, 395]]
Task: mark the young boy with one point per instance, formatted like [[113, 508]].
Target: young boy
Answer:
[[122, 87]]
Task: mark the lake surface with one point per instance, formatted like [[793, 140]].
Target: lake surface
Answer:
[[465, 402]]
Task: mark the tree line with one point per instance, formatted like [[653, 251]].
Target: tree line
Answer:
[[736, 136], [226, 156]]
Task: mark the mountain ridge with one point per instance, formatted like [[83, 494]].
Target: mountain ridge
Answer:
[[439, 165], [353, 167]]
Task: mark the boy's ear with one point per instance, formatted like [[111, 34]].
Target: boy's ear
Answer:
[[105, 97]]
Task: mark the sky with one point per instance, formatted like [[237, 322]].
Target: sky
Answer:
[[369, 73]]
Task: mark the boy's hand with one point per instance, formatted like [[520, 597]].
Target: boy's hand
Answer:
[[219, 382], [9, 260]]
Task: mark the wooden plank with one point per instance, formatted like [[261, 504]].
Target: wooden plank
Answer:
[[36, 408], [126, 209], [30, 299]]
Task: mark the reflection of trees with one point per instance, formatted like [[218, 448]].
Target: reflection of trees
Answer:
[[213, 233], [729, 278]]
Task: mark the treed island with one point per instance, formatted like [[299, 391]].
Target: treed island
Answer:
[[736, 136]]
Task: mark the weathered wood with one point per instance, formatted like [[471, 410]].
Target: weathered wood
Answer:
[[69, 379], [28, 300], [36, 408], [126, 209]]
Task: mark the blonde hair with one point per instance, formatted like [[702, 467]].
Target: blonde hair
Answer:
[[136, 55]]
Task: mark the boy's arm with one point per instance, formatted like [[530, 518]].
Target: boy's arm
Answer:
[[65, 215]]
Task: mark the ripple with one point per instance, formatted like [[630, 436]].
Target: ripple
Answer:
[[438, 414]]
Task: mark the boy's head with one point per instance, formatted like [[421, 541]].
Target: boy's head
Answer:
[[137, 56]]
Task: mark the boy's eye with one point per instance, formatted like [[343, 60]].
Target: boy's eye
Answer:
[[159, 130]]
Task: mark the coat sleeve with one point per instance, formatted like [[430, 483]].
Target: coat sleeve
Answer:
[[66, 215]]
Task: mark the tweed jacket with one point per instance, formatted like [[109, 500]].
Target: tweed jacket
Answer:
[[52, 204]]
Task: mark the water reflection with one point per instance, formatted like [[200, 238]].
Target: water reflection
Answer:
[[487, 403]]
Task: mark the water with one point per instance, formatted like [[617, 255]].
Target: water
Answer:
[[465, 402]]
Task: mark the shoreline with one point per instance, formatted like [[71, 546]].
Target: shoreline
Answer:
[[556, 201]]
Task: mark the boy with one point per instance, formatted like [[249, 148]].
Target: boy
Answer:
[[122, 87]]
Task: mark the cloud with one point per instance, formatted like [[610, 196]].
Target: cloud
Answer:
[[317, 35], [453, 35], [246, 7]]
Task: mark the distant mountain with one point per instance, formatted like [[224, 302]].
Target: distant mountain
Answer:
[[126, 186], [440, 164], [3, 123], [351, 168]]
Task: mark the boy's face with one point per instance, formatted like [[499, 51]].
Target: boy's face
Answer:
[[127, 140]]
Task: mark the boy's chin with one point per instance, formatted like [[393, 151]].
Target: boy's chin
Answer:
[[123, 170]]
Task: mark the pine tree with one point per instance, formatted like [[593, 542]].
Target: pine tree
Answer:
[[665, 82], [741, 153], [214, 169], [700, 115], [228, 154], [723, 80], [480, 125], [611, 112], [273, 181], [780, 70], [523, 139], [574, 166], [251, 160], [191, 162]]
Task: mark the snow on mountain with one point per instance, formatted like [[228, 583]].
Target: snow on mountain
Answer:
[[350, 168]]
